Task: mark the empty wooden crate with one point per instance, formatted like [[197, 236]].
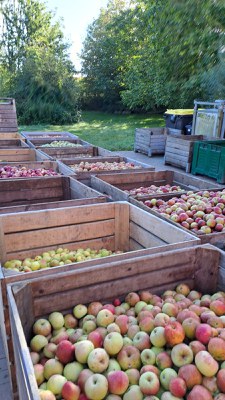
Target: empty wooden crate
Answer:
[[150, 140]]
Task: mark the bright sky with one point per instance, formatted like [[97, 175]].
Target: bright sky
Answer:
[[77, 15]]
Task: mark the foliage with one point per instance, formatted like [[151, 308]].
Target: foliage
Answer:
[[35, 65], [113, 132], [152, 54]]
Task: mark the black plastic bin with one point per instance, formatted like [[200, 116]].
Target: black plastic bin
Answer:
[[178, 119]]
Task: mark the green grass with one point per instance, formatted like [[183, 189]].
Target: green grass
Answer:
[[113, 132]]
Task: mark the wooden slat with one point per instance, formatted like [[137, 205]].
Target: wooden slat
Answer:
[[56, 218], [145, 238], [122, 214]]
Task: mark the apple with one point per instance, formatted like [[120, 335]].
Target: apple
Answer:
[[94, 308], [65, 351], [118, 382], [146, 324], [129, 357], [79, 311], [96, 387], [123, 322], [70, 321], [148, 357], [96, 338], [203, 333], [149, 383], [163, 360], [221, 380], [113, 327], [181, 354], [174, 333], [191, 375], [98, 360], [200, 393], [46, 395], [38, 342], [56, 320], [113, 366], [196, 346], [39, 374], [165, 377], [113, 343], [142, 341], [218, 307], [82, 378], [157, 336], [177, 387], [35, 357], [52, 367], [132, 298], [82, 350], [55, 384], [72, 371], [216, 347], [74, 337], [70, 391], [132, 331], [133, 376], [206, 363], [49, 350], [189, 326], [42, 327], [133, 392], [210, 384], [104, 318]]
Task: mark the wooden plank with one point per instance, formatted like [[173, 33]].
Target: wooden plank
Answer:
[[122, 214], [56, 218], [58, 236], [145, 238]]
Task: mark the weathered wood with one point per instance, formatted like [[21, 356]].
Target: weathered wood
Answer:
[[48, 135], [179, 150], [8, 118], [150, 140], [103, 283], [12, 143]]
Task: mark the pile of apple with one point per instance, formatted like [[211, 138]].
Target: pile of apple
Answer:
[[85, 166], [9, 171], [144, 348], [61, 143], [153, 189], [56, 258], [202, 212]]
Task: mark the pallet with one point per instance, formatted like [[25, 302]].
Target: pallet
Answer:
[[179, 150], [85, 176], [8, 118], [114, 185], [199, 267], [22, 195], [150, 140]]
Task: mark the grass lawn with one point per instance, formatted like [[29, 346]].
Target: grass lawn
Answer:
[[113, 132]]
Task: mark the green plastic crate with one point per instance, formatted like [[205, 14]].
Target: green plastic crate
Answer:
[[209, 159]]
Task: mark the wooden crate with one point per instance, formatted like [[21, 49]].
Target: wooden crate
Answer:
[[150, 140], [114, 185], [11, 135], [199, 267], [48, 135], [85, 176], [47, 164], [12, 143], [22, 154], [179, 150], [8, 118], [45, 193], [86, 150]]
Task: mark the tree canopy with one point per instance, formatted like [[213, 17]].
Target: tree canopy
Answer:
[[149, 54], [35, 64]]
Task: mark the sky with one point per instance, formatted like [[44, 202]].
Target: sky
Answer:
[[77, 15]]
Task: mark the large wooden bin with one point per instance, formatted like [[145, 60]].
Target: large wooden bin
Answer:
[[8, 118], [44, 193], [150, 141], [66, 166], [48, 135], [63, 152], [179, 150], [115, 185], [32, 299]]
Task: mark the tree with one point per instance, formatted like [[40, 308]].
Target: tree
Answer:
[[35, 55]]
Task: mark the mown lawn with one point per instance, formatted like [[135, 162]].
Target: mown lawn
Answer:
[[113, 132]]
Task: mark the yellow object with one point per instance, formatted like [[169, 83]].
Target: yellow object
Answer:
[[180, 112]]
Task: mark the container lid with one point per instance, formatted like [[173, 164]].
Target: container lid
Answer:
[[180, 112]]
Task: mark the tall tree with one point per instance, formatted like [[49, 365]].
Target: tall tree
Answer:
[[35, 55]]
